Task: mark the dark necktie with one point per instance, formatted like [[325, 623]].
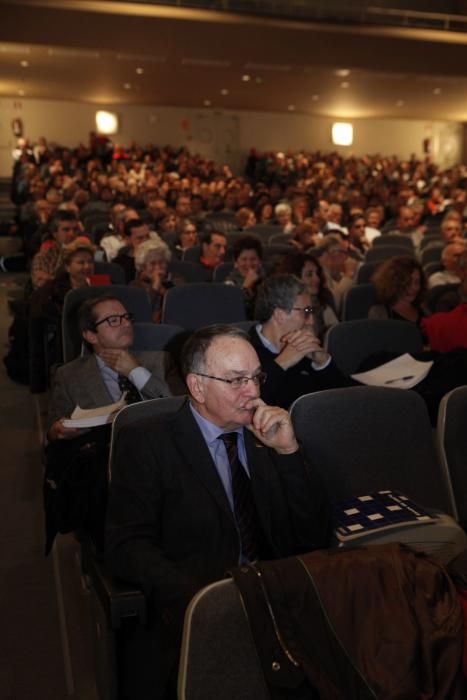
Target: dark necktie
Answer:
[[132, 393], [244, 505]]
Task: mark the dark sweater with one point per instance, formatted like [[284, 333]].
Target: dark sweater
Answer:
[[282, 386]]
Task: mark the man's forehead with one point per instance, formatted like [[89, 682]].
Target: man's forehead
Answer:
[[108, 307], [230, 352]]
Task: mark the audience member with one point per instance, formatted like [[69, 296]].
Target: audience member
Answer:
[[247, 271], [213, 246], [400, 286], [63, 228], [450, 261], [152, 261], [136, 232], [176, 519], [308, 269], [289, 351], [338, 270]]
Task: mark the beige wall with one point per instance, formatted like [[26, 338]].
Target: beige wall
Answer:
[[225, 137]]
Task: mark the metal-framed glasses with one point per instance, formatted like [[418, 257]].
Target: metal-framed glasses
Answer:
[[307, 310], [115, 320], [238, 382]]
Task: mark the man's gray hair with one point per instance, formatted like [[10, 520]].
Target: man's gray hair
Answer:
[[277, 292], [195, 349]]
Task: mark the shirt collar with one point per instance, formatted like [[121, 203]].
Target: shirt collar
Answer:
[[210, 430], [267, 343]]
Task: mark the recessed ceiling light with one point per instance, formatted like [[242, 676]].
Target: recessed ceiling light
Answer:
[[224, 91], [246, 78], [24, 64], [291, 108], [345, 84], [140, 71], [21, 93], [400, 103], [127, 86], [258, 80], [315, 98], [342, 72], [207, 103], [437, 91]]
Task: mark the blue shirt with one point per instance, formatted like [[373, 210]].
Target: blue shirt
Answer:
[[218, 452], [138, 376]]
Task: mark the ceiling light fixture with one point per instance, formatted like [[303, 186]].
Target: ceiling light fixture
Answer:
[[342, 134], [106, 122], [21, 93], [24, 64], [224, 91], [342, 72], [291, 108], [207, 103], [437, 91], [315, 98], [140, 71], [246, 78], [127, 86], [345, 84]]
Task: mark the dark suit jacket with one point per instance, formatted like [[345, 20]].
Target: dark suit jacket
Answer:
[[170, 528]]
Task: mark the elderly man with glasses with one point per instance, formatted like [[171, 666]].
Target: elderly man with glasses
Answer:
[[97, 379], [220, 482], [289, 351]]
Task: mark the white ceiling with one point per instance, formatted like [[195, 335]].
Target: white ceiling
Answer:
[[110, 53]]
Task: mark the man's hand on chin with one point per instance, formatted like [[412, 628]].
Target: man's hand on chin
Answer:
[[272, 426], [119, 360]]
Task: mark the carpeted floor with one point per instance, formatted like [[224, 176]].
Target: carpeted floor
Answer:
[[46, 642]]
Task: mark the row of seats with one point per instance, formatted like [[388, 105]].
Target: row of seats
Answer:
[[363, 439]]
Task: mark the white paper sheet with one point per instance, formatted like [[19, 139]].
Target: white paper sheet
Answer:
[[92, 417], [402, 373]]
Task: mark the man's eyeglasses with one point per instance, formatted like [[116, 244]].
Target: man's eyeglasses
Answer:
[[238, 382], [115, 320], [307, 310]]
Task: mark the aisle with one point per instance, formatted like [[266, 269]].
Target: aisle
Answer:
[[41, 656]]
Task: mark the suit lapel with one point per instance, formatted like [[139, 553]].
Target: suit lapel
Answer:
[[190, 443], [92, 387], [259, 464]]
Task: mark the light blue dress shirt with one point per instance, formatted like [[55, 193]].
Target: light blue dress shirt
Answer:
[[138, 376], [218, 452]]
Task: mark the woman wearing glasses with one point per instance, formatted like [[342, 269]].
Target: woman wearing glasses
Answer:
[[287, 346]]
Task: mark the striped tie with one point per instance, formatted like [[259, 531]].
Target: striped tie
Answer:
[[244, 505]]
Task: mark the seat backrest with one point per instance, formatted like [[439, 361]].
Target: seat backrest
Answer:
[[363, 439], [139, 411], [432, 267], [452, 445], [357, 302], [271, 251], [135, 300], [196, 305], [265, 231], [366, 271], [430, 238], [383, 252], [155, 336], [184, 272], [115, 272], [218, 657], [393, 239], [222, 271], [351, 342], [432, 253], [443, 297]]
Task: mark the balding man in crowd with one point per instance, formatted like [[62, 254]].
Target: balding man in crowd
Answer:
[[219, 483], [450, 260]]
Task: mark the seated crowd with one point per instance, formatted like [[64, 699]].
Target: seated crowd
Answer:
[[293, 233]]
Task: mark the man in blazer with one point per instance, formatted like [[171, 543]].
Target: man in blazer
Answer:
[[92, 381], [174, 520], [75, 485]]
